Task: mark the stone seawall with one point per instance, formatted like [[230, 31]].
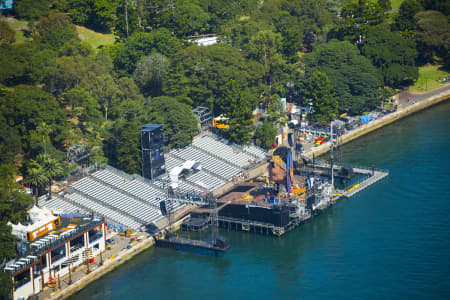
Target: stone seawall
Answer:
[[108, 266], [388, 119]]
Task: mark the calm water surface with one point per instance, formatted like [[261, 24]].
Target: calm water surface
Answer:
[[390, 241]]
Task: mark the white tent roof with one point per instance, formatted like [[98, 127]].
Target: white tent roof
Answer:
[[188, 164], [38, 216]]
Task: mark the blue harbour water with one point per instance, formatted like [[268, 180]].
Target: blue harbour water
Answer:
[[389, 241]]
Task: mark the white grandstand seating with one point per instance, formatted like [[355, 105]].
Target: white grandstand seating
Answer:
[[172, 162], [115, 199], [141, 190], [205, 180], [226, 152], [256, 151], [58, 205], [111, 214], [132, 201], [208, 162]]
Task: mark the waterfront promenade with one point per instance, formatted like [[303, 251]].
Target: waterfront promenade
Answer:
[[418, 102], [392, 236], [120, 252], [109, 260], [80, 279]]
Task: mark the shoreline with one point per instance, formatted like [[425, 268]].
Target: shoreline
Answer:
[[383, 121], [111, 264], [108, 266]]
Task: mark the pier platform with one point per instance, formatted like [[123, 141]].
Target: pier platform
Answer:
[[374, 177], [251, 226], [216, 248]]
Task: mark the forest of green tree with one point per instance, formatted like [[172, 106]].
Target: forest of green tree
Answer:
[[56, 91]]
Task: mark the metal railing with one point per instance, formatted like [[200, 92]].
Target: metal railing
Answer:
[[36, 252], [120, 173]]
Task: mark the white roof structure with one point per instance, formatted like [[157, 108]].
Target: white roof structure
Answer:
[[205, 41], [38, 216], [175, 172]]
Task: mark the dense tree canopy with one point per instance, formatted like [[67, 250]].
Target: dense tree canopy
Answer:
[[13, 201], [393, 56], [323, 98], [150, 74], [180, 125], [123, 141], [96, 14], [356, 19], [142, 44], [237, 108], [442, 6], [13, 205], [7, 34], [25, 108], [433, 33], [24, 63], [265, 135], [352, 75], [127, 19], [405, 20], [32, 9], [202, 76]]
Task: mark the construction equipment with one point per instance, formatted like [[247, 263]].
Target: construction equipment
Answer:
[[220, 122]]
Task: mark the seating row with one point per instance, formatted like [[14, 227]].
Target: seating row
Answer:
[[59, 206], [208, 162], [205, 180], [256, 151], [112, 215], [134, 187], [232, 155], [111, 197]]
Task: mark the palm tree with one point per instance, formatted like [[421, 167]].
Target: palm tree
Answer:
[[36, 177], [44, 130], [52, 168]]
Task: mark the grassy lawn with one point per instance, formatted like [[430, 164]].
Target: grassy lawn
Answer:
[[93, 38], [20, 27], [429, 78], [396, 3]]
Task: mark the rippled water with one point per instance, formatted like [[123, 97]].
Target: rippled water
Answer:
[[389, 241]]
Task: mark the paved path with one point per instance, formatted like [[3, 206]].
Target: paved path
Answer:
[[403, 96], [120, 243]]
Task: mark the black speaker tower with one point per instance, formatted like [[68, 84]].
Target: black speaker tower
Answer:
[[152, 142], [162, 207]]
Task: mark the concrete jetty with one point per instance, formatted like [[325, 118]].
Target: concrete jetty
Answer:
[[374, 177]]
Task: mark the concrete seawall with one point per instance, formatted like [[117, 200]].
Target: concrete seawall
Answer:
[[388, 119], [111, 264], [108, 266]]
